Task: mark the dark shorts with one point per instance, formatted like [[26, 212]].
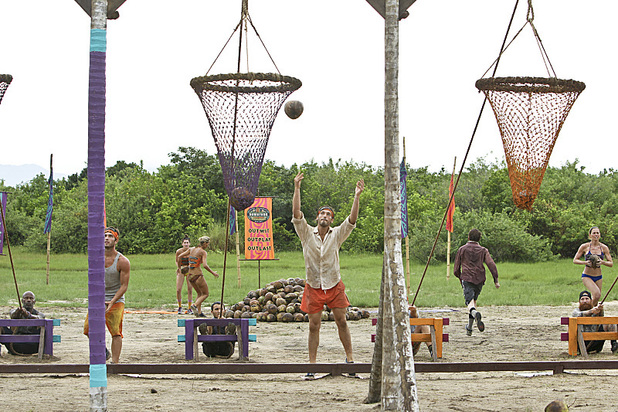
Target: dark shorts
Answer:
[[595, 345], [471, 291], [224, 349], [20, 348]]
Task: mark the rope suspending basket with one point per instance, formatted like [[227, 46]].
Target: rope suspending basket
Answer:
[[5, 80], [241, 109], [530, 112]]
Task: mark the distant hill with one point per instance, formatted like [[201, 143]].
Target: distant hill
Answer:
[[14, 175]]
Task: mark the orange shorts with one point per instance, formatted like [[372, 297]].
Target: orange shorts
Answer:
[[113, 320], [315, 299]]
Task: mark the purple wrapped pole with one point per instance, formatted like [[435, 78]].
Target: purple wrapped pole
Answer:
[[96, 195]]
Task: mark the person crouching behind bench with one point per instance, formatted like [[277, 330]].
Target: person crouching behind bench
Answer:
[[27, 311], [211, 349], [586, 309]]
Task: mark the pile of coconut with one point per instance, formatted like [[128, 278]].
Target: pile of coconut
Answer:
[[279, 301]]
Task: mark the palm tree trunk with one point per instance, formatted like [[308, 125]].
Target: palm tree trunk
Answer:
[[96, 196], [398, 383]]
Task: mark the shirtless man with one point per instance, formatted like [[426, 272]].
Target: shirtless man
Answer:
[[180, 277], [196, 256]]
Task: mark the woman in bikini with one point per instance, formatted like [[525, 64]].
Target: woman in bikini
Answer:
[[592, 277], [197, 256]]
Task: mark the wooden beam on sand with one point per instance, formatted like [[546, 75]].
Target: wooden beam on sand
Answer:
[[302, 368]]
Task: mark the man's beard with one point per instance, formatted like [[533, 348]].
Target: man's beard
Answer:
[[585, 306], [324, 223]]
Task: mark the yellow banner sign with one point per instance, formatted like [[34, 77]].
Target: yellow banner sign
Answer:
[[259, 230]]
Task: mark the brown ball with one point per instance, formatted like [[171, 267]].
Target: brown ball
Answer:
[[241, 198], [293, 109], [557, 406]]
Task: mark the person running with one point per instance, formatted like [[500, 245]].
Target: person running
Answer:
[[470, 271], [180, 277], [197, 256], [595, 254], [321, 252], [117, 273]]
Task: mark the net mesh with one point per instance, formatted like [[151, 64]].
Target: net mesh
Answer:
[[241, 109], [530, 112], [5, 80]]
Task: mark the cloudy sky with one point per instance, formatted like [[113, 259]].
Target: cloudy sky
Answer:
[[335, 47]]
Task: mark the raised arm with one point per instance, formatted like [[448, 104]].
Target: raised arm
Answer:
[[360, 186], [296, 199]]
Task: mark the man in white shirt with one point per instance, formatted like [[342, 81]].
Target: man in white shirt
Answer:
[[321, 252]]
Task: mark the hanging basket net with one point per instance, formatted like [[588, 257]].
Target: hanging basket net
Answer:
[[5, 80], [530, 112], [241, 109]]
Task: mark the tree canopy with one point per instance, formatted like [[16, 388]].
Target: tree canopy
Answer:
[[154, 210]]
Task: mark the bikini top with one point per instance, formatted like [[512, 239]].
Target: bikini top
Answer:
[[194, 262], [602, 255]]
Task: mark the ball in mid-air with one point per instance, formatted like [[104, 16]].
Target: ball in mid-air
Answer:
[[293, 109], [241, 198]]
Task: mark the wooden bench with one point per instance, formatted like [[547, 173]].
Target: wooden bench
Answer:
[[435, 335], [191, 336], [45, 338], [576, 336]]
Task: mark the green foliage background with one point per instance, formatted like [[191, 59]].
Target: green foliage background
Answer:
[[153, 210]]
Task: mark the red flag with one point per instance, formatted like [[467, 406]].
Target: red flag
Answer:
[[451, 208]]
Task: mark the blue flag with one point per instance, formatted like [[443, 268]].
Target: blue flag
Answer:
[[403, 175], [232, 220], [50, 204], [3, 206]]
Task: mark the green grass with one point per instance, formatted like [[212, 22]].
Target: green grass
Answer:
[[152, 283]]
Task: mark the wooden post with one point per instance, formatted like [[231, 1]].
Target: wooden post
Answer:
[[448, 233], [407, 237], [237, 251], [51, 168]]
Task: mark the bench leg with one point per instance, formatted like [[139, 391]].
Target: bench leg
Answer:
[[196, 351], [41, 342], [241, 352], [434, 352], [580, 341]]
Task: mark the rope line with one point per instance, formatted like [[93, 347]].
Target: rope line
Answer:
[[8, 245]]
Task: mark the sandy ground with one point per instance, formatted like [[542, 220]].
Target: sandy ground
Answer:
[[512, 334]]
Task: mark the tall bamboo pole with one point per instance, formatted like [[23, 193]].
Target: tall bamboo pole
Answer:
[[237, 251], [51, 168], [448, 233], [407, 237]]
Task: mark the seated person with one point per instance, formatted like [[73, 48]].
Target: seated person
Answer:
[[26, 312], [223, 349], [419, 329], [586, 309]]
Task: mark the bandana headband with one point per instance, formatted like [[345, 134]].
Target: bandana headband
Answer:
[[113, 231]]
